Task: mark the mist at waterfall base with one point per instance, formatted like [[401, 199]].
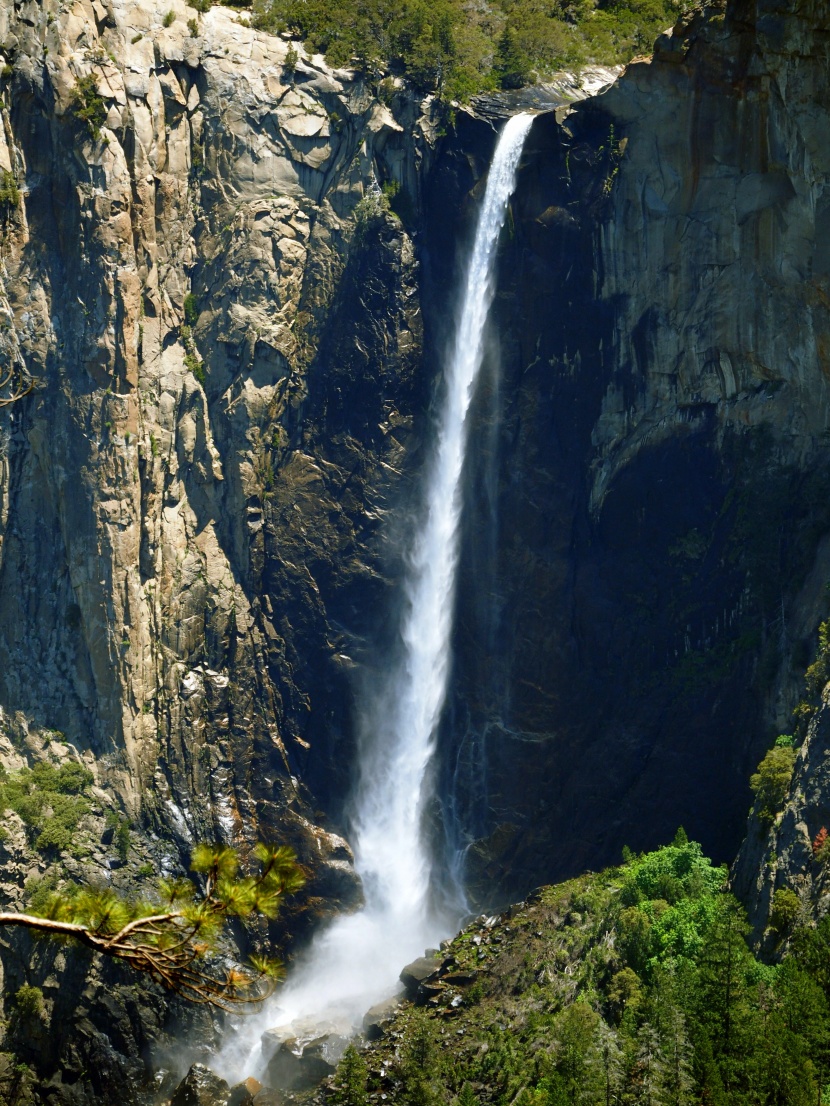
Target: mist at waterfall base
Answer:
[[356, 960]]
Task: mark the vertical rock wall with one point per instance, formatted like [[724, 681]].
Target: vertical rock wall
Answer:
[[657, 471], [172, 528]]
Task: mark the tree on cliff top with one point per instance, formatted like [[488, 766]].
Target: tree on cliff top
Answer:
[[173, 936]]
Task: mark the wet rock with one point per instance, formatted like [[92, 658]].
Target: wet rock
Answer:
[[428, 993], [298, 1065], [268, 1097], [243, 1094], [414, 974], [460, 979], [378, 1017], [201, 1087]]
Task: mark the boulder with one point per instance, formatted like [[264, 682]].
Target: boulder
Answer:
[[377, 1018], [201, 1087], [299, 1066], [242, 1094], [428, 993], [416, 973]]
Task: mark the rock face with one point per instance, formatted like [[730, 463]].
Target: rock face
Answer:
[[168, 281], [777, 853], [643, 556], [235, 348], [225, 360]]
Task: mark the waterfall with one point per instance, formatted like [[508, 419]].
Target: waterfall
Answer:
[[355, 961]]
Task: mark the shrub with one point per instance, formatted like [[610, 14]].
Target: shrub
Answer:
[[196, 366], [70, 779], [264, 472], [48, 799], [169, 19], [821, 846], [200, 5], [89, 105], [9, 192], [191, 309], [370, 210], [785, 910], [29, 1002], [193, 27], [122, 840], [290, 64], [772, 781], [386, 91]]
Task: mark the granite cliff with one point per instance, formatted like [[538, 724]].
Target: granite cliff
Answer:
[[235, 344]]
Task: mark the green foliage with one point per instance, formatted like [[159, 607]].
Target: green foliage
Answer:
[[290, 63], [169, 19], [197, 366], [264, 472], [88, 104], [172, 934], [512, 67], [772, 781], [603, 991], [419, 1066], [39, 890], [459, 49], [193, 28], [9, 192], [201, 5], [122, 840], [50, 801], [29, 1002], [191, 309], [350, 1082], [785, 912], [370, 211]]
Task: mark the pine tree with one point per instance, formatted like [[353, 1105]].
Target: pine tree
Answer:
[[605, 1068], [678, 1078], [724, 1007], [512, 63], [649, 1071], [351, 1079]]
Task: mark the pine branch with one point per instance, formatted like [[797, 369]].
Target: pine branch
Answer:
[[170, 946]]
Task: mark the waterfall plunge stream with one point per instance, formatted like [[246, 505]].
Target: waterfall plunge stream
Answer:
[[355, 961]]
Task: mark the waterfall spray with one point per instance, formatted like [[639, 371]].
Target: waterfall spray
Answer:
[[356, 960]]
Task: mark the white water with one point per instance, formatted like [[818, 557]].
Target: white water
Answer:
[[355, 961]]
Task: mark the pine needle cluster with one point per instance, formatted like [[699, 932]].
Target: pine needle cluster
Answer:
[[172, 935]]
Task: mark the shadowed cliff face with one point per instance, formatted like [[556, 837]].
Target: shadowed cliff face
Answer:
[[653, 460]]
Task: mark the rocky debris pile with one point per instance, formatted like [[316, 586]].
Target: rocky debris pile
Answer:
[[439, 979]]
